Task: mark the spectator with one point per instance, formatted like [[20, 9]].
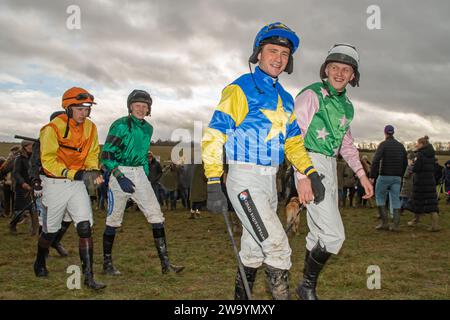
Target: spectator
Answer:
[[340, 165], [184, 184], [407, 184], [155, 173], [198, 194], [359, 188], [23, 190], [388, 167], [169, 180], [348, 185], [6, 176], [424, 197], [446, 179]]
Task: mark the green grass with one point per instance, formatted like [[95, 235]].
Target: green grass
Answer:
[[414, 263]]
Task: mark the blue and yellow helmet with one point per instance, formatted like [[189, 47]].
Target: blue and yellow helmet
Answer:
[[279, 34]]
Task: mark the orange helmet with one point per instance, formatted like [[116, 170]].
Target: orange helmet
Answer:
[[77, 95]]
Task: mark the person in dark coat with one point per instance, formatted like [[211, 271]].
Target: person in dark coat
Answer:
[[23, 191], [388, 167], [155, 173], [446, 179], [424, 197], [6, 176]]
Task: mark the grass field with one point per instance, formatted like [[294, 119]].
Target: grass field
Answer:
[[414, 263]]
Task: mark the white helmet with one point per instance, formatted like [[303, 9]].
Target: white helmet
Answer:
[[343, 53]]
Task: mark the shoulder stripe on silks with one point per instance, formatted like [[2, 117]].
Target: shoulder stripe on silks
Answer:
[[253, 215], [110, 202], [106, 155], [114, 140]]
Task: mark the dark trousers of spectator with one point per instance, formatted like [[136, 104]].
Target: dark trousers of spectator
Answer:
[[196, 206], [8, 200], [351, 193], [159, 192], [171, 196], [184, 196]]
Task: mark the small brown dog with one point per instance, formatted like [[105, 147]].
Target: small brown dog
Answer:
[[292, 214]]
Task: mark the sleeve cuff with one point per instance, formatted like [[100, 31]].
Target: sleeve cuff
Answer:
[[214, 180]]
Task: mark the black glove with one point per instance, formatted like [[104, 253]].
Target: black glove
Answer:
[[88, 177], [126, 184], [317, 187], [217, 201]]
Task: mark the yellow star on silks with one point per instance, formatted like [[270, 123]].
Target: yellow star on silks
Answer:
[[278, 118]]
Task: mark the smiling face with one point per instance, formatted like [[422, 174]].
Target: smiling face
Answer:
[[339, 74], [139, 109], [273, 59]]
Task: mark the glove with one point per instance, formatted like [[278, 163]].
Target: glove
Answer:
[[37, 188], [317, 187], [88, 177], [126, 184], [217, 201]]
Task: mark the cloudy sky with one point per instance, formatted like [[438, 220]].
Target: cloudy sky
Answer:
[[185, 52]]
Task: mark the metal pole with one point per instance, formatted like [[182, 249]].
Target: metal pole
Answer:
[[240, 265]]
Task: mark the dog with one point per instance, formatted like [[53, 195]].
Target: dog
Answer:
[[293, 215]]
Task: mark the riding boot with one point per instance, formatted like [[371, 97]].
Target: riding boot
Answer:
[[161, 246], [396, 225], [56, 244], [239, 292], [108, 266], [278, 282], [315, 261], [86, 250], [40, 269], [384, 225]]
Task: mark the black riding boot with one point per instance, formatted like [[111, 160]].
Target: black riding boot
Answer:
[[160, 243], [86, 250], [384, 225], [56, 244], [239, 292], [278, 280], [40, 269], [315, 261], [108, 267]]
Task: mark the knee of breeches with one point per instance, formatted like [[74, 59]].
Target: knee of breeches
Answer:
[[84, 229], [110, 231]]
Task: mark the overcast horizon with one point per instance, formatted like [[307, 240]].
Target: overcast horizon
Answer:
[[185, 52]]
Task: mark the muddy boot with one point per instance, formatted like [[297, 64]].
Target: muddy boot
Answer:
[[161, 246], [396, 225], [239, 291], [278, 282], [86, 250], [197, 213], [108, 267], [384, 225], [192, 214], [414, 221], [315, 261], [108, 241], [40, 269], [434, 222], [56, 244]]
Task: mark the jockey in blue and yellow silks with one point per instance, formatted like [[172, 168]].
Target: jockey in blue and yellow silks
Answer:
[[255, 124]]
